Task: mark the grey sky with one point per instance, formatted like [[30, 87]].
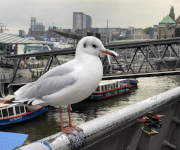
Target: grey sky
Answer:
[[16, 14]]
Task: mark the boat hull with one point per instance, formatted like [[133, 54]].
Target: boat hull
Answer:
[[109, 93]]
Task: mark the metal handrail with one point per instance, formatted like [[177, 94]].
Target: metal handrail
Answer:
[[106, 125]]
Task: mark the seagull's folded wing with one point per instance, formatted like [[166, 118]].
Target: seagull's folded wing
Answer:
[[45, 87], [23, 88]]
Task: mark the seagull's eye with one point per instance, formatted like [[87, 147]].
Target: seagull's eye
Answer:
[[94, 46]]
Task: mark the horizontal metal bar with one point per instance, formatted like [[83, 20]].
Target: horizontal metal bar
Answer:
[[47, 53], [122, 76], [107, 124], [136, 44], [111, 46]]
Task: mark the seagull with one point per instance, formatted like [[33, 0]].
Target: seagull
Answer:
[[68, 83]]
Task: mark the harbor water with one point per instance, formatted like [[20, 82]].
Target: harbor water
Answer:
[[49, 123]]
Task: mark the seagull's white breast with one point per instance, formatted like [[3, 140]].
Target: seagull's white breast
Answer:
[[88, 75]]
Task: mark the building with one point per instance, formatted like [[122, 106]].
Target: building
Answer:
[[22, 33], [37, 29], [166, 27], [81, 21], [171, 14]]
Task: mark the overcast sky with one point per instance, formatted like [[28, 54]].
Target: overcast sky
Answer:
[[16, 14]]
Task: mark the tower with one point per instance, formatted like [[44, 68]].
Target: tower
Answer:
[[33, 21], [171, 14]]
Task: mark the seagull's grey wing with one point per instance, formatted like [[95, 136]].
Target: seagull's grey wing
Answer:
[[46, 87], [54, 84], [51, 82], [59, 70], [23, 88]]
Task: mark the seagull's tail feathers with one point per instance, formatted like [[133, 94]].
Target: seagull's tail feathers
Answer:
[[13, 100], [23, 101], [10, 101], [31, 101], [24, 88]]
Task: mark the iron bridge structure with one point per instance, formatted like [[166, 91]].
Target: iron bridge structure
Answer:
[[136, 59]]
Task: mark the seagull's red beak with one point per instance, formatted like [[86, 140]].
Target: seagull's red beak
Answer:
[[108, 52]]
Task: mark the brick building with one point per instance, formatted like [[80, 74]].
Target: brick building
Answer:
[[37, 29]]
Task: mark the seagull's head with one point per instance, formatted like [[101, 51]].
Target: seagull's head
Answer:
[[92, 46]]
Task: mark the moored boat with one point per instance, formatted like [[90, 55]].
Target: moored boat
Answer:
[[11, 114], [109, 88], [132, 81]]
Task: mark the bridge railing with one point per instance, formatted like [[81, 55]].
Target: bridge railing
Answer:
[[134, 57]]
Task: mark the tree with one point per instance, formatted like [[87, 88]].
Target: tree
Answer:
[[149, 30]]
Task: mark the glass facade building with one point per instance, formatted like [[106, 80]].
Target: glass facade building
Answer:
[[81, 21]]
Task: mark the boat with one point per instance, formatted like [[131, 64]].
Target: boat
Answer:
[[34, 48], [109, 88], [132, 81], [14, 113]]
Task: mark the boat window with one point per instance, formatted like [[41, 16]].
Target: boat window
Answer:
[[0, 114], [116, 84], [109, 87], [102, 88], [11, 112], [106, 88], [5, 113], [17, 110], [22, 109]]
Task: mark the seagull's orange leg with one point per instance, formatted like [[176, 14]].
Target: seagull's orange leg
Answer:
[[66, 130], [70, 124]]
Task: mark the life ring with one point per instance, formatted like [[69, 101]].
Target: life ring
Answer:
[[8, 47]]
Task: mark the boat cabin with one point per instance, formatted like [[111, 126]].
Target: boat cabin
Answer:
[[106, 85], [37, 48], [13, 110]]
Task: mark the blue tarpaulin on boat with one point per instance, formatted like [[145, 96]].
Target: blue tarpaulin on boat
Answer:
[[9, 141]]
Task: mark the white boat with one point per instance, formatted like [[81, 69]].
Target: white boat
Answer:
[[110, 88], [14, 113], [34, 48]]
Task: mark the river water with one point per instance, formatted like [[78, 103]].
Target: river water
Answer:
[[49, 123]]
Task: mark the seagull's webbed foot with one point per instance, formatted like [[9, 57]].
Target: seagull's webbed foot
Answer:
[[67, 130], [75, 128]]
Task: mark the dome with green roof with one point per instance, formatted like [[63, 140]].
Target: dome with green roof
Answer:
[[167, 19]]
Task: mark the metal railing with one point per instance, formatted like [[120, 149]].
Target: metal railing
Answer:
[[120, 128]]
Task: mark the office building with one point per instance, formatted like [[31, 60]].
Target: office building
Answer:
[[22, 33], [81, 21]]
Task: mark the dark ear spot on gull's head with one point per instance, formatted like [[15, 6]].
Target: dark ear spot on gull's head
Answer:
[[84, 45]]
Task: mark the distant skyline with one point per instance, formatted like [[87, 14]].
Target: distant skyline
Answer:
[[16, 14]]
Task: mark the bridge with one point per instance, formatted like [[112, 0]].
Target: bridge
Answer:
[[136, 59]]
